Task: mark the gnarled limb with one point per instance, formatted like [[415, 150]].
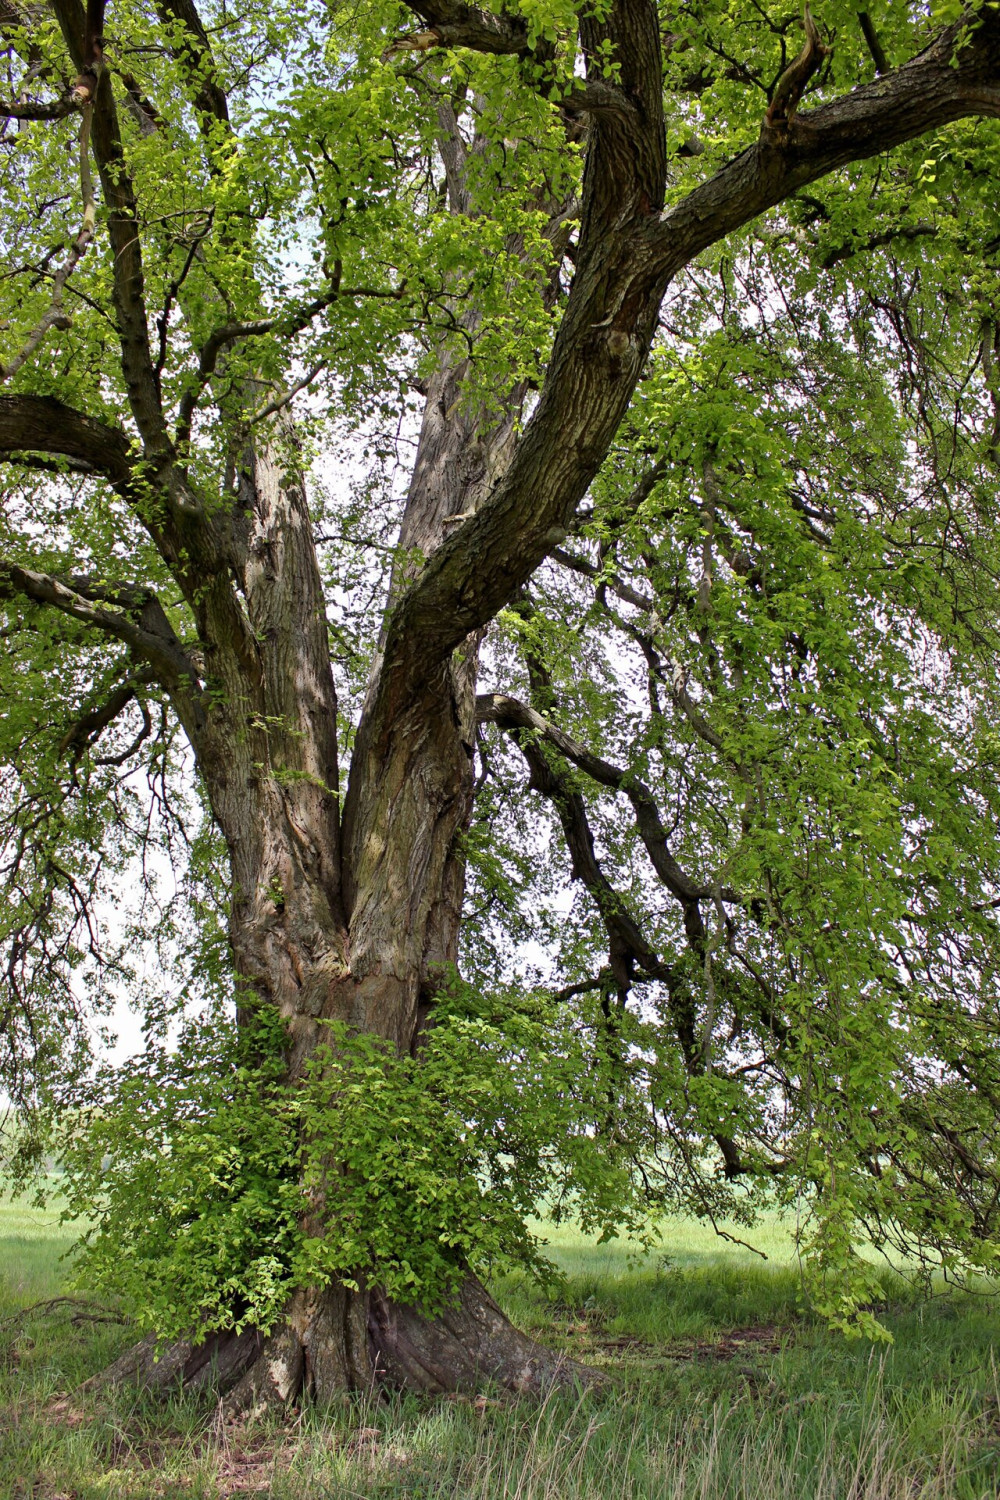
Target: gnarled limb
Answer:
[[956, 77], [792, 83], [610, 319], [89, 727], [509, 713], [629, 948], [453, 24]]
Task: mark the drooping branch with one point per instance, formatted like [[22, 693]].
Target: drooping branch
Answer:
[[90, 725], [631, 955], [597, 575], [509, 713], [921, 230], [641, 491], [32, 425], [41, 465], [132, 614], [629, 948]]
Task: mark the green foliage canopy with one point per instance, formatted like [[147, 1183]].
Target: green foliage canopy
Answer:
[[732, 866]]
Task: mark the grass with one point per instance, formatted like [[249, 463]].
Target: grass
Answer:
[[724, 1390]]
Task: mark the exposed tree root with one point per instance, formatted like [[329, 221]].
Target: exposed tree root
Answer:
[[218, 1362], [464, 1348], [335, 1341]]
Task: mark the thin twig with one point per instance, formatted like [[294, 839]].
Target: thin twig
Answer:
[[282, 401], [86, 1312], [56, 316]]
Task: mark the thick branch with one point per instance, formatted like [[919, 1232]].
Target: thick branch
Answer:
[[935, 88], [596, 358], [137, 617], [456, 25], [452, 24], [58, 109], [42, 424], [603, 338]]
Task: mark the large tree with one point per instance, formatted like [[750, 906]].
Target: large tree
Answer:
[[727, 629]]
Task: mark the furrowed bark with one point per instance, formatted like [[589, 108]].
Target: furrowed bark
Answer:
[[268, 757], [465, 1347], [631, 957]]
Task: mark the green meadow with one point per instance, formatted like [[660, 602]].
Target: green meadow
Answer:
[[721, 1386]]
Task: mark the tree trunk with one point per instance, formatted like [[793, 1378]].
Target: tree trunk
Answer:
[[359, 924], [356, 919]]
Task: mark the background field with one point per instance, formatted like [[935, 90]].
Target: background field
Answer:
[[723, 1388]]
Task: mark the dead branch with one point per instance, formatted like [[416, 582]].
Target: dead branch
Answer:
[[792, 83], [83, 1311]]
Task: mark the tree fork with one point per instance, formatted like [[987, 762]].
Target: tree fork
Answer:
[[412, 792], [351, 927]]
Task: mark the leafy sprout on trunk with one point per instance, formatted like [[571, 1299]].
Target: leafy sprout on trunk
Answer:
[[498, 570]]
